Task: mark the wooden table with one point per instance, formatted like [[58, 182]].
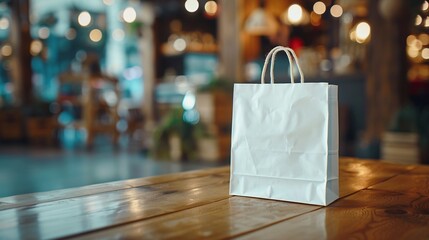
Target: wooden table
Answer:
[[378, 201]]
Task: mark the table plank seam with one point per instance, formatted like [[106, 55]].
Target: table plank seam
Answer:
[[128, 186], [28, 204], [137, 220]]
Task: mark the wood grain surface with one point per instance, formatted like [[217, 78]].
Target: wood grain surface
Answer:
[[378, 201], [367, 214]]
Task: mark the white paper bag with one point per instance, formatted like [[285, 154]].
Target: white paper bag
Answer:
[[285, 139]]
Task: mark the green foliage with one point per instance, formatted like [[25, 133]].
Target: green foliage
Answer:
[[189, 134], [218, 84]]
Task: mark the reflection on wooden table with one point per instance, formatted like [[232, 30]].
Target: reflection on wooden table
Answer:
[[378, 201]]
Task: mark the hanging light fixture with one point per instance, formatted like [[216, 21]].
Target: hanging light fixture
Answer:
[[260, 22]]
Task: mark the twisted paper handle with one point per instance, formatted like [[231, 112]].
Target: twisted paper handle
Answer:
[[272, 55]]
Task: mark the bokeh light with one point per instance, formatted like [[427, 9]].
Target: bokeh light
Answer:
[[4, 23], [425, 5], [129, 15], [44, 32], [424, 38], [419, 20], [84, 18], [425, 53], [336, 11], [410, 39], [6, 50], [179, 44], [191, 5], [36, 47], [95, 35], [294, 14], [363, 31], [319, 8], [211, 8]]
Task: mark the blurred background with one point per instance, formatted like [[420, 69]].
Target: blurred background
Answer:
[[104, 90]]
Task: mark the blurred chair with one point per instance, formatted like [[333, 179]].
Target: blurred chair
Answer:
[[135, 121], [100, 107]]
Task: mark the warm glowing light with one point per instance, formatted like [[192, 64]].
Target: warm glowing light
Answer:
[[211, 8], [425, 6], [6, 50], [410, 40], [427, 22], [44, 32], [4, 23], [412, 53], [129, 15], [353, 35], [95, 35], [294, 14], [336, 11], [71, 34], [84, 18], [424, 38], [416, 44], [36, 47], [425, 53], [419, 20], [118, 34], [319, 8], [191, 5], [315, 19], [363, 30], [179, 44]]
